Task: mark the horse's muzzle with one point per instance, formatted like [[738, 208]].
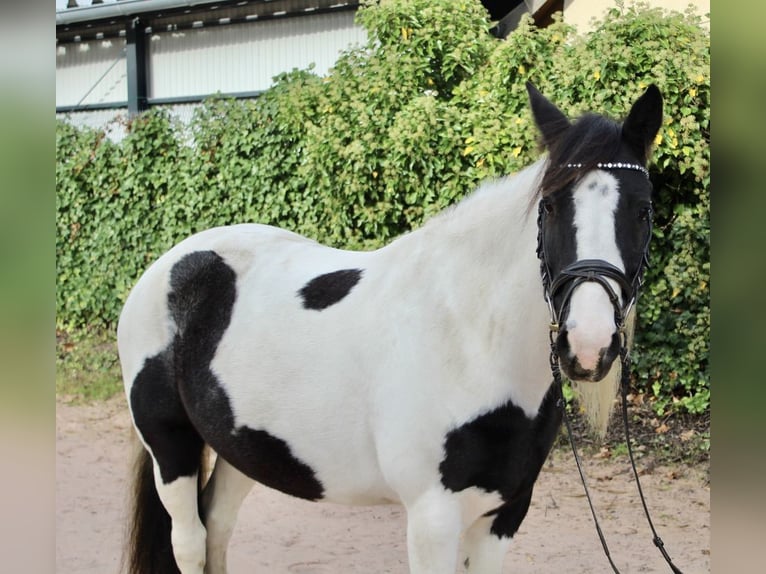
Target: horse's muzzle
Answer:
[[572, 366]]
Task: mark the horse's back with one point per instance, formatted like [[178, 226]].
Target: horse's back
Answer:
[[145, 326], [265, 281]]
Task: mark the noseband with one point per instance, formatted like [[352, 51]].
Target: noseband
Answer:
[[600, 272]]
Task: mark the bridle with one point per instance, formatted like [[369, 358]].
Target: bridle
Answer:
[[593, 270], [561, 288]]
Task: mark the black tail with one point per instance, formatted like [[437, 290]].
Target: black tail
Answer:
[[148, 549]]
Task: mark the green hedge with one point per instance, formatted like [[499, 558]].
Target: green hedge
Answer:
[[399, 129]]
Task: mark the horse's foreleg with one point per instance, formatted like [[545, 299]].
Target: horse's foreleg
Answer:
[[433, 533], [488, 538], [221, 499], [484, 552]]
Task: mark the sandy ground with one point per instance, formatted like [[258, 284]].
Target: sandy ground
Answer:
[[278, 534]]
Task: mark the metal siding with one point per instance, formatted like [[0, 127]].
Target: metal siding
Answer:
[[245, 57], [80, 66]]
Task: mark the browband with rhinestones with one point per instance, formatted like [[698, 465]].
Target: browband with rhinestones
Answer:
[[617, 165]]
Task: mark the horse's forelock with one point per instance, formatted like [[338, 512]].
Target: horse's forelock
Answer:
[[590, 140]]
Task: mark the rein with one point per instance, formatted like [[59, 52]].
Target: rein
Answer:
[[624, 382], [598, 271]]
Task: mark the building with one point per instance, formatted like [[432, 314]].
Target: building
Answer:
[[129, 55], [118, 56]]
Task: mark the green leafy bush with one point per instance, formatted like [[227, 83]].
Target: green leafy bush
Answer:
[[399, 129]]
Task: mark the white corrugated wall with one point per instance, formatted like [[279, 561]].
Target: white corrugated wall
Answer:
[[245, 57], [198, 62], [91, 72]]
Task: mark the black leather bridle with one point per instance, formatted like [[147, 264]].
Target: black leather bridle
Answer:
[[593, 270], [563, 285]]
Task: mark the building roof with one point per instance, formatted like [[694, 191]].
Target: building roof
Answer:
[[111, 18], [78, 11]]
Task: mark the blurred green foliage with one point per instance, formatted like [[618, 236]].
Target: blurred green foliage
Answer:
[[399, 129]]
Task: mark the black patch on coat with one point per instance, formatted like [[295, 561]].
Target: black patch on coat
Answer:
[[328, 289], [502, 451], [176, 394], [162, 420]]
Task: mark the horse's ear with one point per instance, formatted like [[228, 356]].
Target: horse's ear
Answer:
[[549, 119], [643, 122]]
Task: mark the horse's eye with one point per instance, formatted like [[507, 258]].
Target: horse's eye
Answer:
[[547, 206]]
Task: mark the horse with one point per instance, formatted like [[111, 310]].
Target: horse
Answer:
[[418, 373]]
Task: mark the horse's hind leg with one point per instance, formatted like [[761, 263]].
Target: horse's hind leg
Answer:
[[179, 497], [221, 499], [176, 454]]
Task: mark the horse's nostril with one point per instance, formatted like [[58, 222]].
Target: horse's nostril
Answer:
[[562, 343]]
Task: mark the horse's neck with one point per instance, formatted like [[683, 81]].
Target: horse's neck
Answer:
[[477, 261], [490, 236], [473, 278]]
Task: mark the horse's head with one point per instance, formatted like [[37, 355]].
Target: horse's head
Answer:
[[595, 215]]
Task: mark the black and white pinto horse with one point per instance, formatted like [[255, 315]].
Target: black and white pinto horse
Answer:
[[417, 373]]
